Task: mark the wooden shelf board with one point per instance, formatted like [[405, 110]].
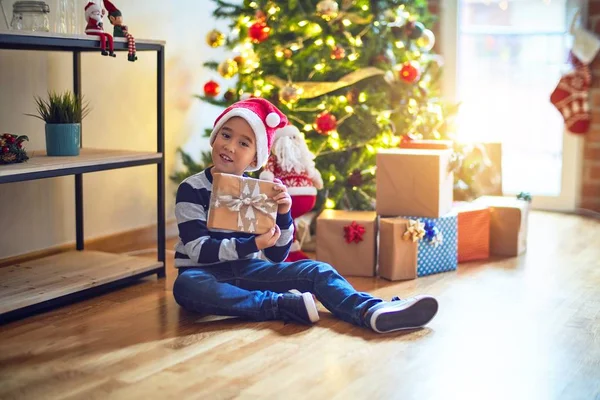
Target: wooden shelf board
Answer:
[[93, 41], [39, 162], [48, 278]]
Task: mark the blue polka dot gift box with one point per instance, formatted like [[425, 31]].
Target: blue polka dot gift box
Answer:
[[410, 247]]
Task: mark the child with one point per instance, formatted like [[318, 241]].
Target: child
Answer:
[[223, 273]]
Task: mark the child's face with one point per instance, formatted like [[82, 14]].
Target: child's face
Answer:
[[234, 148]]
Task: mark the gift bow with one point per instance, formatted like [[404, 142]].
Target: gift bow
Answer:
[[258, 202], [354, 232], [415, 230]]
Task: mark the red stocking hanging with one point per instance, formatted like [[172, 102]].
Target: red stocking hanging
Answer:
[[571, 97]]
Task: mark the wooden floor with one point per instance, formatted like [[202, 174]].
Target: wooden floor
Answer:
[[521, 328]]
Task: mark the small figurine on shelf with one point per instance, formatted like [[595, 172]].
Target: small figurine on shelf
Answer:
[[95, 26], [11, 149], [119, 30]]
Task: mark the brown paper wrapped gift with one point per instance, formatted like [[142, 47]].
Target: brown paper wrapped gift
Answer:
[[508, 224], [397, 257], [242, 204], [347, 240], [414, 182]]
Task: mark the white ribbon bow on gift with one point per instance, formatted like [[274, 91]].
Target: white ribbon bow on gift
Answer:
[[258, 201]]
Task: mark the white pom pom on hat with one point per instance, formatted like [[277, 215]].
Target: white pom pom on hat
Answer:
[[264, 119]]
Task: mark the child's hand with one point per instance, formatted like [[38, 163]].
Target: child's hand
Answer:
[[268, 239], [283, 199]]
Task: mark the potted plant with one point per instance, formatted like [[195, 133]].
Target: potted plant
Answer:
[[63, 114]]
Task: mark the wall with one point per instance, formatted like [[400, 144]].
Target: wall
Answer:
[[590, 192], [39, 214]]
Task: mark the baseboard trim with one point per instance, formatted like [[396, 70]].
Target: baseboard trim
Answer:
[[120, 242]]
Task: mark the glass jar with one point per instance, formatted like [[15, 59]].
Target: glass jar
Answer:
[[30, 16]]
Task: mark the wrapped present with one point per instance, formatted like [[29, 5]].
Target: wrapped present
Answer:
[[347, 240], [508, 223], [473, 231], [424, 144], [242, 204], [411, 246], [414, 182]]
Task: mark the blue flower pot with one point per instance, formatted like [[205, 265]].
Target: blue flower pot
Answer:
[[63, 139]]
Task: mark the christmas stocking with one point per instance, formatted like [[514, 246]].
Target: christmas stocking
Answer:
[[571, 97]]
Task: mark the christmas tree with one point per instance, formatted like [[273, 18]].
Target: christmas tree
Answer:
[[354, 76]]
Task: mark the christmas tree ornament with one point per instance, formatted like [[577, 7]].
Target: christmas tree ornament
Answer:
[[337, 53], [398, 29], [325, 123], [414, 29], [239, 60], [287, 53], [426, 41], [211, 89], [228, 68], [229, 95], [289, 94], [355, 179], [327, 9], [95, 27], [571, 97], [409, 72], [258, 32], [215, 38], [121, 30]]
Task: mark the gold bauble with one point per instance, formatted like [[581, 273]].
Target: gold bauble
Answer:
[[215, 38], [289, 94], [426, 41], [327, 9], [228, 68]]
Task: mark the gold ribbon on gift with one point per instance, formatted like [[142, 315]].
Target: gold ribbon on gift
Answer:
[[246, 204], [415, 230], [310, 90]]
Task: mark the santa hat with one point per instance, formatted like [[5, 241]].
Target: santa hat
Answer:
[[264, 119], [112, 10], [90, 7]]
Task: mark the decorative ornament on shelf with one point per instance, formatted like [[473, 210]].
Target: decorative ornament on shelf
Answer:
[[211, 89], [11, 149], [409, 72], [215, 38], [426, 41], [259, 32], [327, 9], [526, 196], [228, 68], [95, 27], [290, 93], [354, 232], [121, 30], [414, 29], [415, 230], [338, 52], [325, 123]]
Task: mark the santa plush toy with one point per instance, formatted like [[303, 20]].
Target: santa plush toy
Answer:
[[93, 16], [292, 162]]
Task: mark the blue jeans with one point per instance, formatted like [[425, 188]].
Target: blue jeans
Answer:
[[250, 289]]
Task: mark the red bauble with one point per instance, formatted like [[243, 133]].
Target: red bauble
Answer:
[[325, 123], [259, 32], [5, 149], [10, 139], [211, 88], [409, 73]]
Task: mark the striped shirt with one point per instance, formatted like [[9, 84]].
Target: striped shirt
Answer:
[[200, 246]]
